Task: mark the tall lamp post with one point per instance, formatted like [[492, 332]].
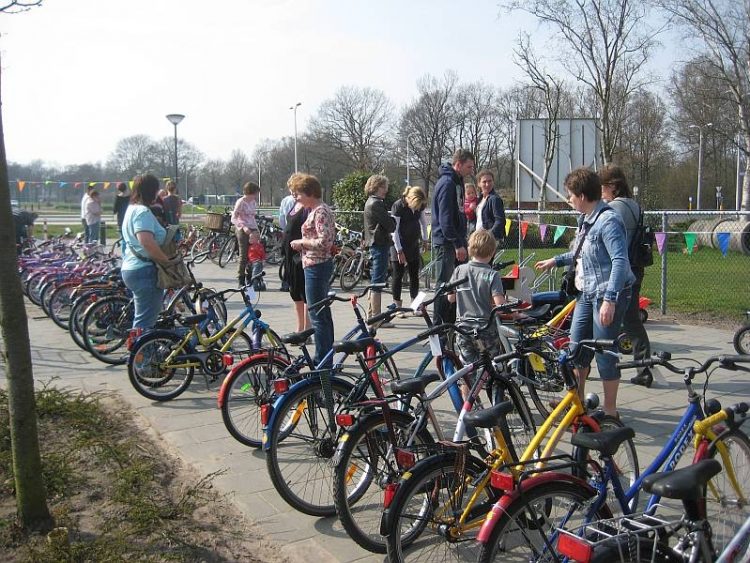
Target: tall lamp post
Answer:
[[174, 119], [700, 161], [294, 109], [408, 177]]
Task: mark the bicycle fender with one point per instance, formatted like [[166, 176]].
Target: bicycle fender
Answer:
[[282, 401], [255, 357], [507, 499], [152, 334]]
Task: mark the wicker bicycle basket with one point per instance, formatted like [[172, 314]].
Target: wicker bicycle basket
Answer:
[[215, 221]]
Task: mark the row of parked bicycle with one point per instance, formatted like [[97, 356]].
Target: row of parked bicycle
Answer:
[[361, 442]]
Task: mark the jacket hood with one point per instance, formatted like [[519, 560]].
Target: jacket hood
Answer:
[[446, 170]]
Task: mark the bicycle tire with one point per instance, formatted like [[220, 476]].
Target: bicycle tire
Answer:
[[413, 529], [546, 387], [519, 534], [61, 303], [77, 313], [366, 458], [247, 390], [518, 426], [351, 271], [34, 287], [741, 340], [723, 509], [214, 247], [298, 458], [198, 250], [148, 377], [106, 325], [275, 248], [46, 293], [229, 252]]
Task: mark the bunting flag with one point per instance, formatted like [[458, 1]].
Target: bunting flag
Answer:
[[21, 185], [661, 238], [559, 231], [690, 242], [63, 184], [524, 229], [77, 185], [131, 183], [542, 231], [723, 239], [507, 226], [106, 185], [92, 184]]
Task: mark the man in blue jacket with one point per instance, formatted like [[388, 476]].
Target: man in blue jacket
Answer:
[[490, 211], [449, 224]]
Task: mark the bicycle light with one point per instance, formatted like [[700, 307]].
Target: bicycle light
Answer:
[[502, 480], [388, 493], [132, 337], [405, 458], [281, 385], [227, 360], [265, 414], [572, 547], [345, 419]]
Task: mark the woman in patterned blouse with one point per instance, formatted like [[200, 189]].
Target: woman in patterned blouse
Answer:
[[318, 232]]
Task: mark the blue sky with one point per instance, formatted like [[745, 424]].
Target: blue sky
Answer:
[[78, 75]]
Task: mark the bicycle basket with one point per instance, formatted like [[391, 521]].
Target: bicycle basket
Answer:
[[215, 221]]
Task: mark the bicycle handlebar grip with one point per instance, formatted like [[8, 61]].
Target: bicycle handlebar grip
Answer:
[[257, 277], [503, 265], [645, 363], [445, 287]]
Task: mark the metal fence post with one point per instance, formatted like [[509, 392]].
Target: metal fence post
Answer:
[[664, 264], [103, 232]]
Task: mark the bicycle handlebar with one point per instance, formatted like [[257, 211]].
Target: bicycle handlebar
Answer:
[[332, 296], [728, 414], [497, 310], [503, 265], [726, 361]]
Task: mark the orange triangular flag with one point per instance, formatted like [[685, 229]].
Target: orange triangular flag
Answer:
[[21, 185]]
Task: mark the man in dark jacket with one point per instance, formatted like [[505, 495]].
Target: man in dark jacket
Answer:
[[490, 210], [449, 224]]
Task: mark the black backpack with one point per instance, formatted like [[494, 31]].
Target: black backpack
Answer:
[[641, 251]]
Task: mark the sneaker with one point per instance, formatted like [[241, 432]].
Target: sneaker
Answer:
[[387, 325], [644, 378]]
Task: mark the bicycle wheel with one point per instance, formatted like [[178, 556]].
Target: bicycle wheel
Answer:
[[245, 390], [274, 247], [228, 252], [60, 304], [46, 294], [351, 271], [34, 287], [77, 312], [106, 325], [148, 374], [365, 465], [300, 448], [544, 382], [727, 506], [198, 250], [741, 340], [526, 529], [422, 522], [518, 426]]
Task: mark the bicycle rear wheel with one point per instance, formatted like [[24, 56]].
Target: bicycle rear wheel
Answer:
[[351, 271], [229, 252], [106, 326], [148, 374], [300, 448], [60, 304]]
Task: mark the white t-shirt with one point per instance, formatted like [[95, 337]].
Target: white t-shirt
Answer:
[[480, 207]]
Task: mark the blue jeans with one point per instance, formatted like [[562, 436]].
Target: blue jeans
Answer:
[[147, 297], [585, 325], [445, 254], [379, 256], [92, 232], [316, 288]]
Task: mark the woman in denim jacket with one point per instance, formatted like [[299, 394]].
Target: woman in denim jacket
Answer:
[[603, 278]]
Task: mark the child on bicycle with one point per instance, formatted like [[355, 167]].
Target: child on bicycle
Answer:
[[476, 298]]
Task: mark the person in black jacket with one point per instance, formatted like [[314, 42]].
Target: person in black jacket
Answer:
[[490, 211], [449, 225], [378, 228], [122, 200], [411, 227]]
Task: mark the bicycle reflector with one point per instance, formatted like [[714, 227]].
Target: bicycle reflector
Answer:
[[227, 360], [388, 493], [133, 336], [502, 480], [345, 419], [281, 385], [575, 548], [405, 458], [265, 414]]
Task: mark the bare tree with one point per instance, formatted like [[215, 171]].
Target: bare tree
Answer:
[[604, 45], [358, 122], [30, 491], [134, 155], [722, 26], [477, 122], [426, 125], [238, 170]]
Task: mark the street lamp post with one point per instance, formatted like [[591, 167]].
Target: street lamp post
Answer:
[[719, 199], [408, 177], [636, 189], [174, 119], [294, 109], [700, 161]]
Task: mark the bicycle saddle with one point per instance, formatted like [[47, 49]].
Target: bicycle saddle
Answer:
[[415, 385], [353, 346], [296, 338], [194, 319], [682, 484], [487, 418], [605, 442]]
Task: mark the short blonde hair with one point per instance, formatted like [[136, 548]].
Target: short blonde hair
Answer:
[[375, 182], [416, 195], [482, 244]]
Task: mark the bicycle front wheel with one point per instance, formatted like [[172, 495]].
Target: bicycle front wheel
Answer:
[[727, 505], [351, 271], [527, 529], [301, 446], [106, 325], [148, 373], [228, 252]]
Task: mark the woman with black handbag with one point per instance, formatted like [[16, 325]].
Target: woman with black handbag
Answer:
[[602, 276]]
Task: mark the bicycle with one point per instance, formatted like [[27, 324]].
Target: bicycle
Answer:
[[449, 503], [741, 338], [162, 363], [510, 515]]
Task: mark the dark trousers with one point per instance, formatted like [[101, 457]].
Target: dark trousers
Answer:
[[633, 327], [398, 278], [445, 254], [243, 241]]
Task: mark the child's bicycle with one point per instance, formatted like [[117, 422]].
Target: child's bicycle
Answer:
[[742, 336]]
